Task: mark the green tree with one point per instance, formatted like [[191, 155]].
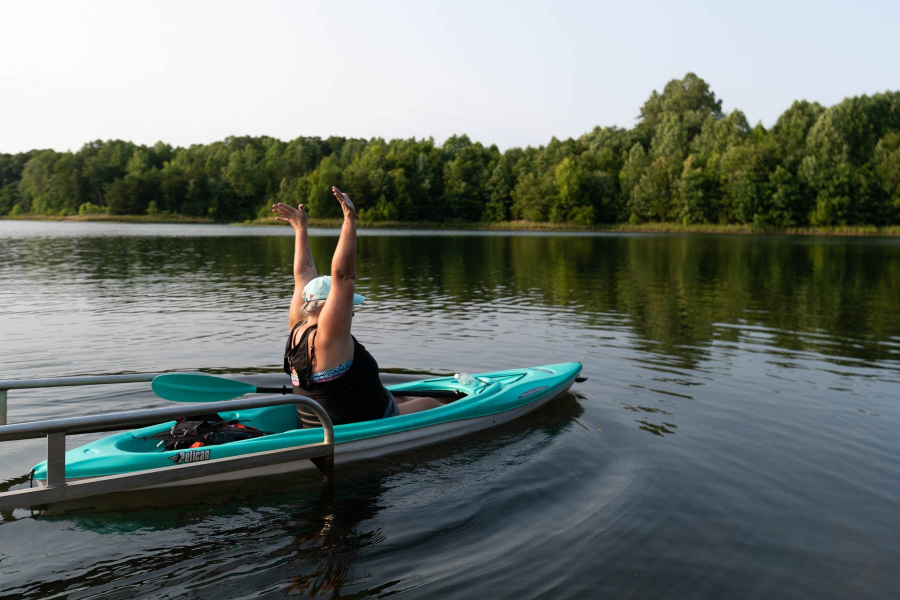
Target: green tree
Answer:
[[743, 179], [791, 130], [51, 183], [652, 198], [321, 201], [499, 187], [531, 197], [698, 194], [9, 197], [790, 199], [126, 196], [691, 99], [633, 169], [573, 193], [464, 180], [886, 162]]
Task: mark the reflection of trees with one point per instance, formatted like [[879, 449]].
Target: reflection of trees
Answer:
[[832, 296]]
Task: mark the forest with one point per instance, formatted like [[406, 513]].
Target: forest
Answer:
[[685, 161]]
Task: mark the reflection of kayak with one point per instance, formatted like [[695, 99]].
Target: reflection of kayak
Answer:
[[490, 399]]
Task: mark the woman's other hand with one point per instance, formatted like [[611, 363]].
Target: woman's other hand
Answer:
[[295, 216], [346, 204]]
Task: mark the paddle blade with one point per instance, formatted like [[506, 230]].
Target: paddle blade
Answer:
[[197, 387]]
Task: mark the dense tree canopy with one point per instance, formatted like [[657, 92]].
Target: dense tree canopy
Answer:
[[685, 161]]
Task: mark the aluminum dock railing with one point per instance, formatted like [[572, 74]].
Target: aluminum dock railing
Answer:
[[57, 489]]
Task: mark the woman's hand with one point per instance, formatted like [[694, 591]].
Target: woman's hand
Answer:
[[295, 216], [346, 204]]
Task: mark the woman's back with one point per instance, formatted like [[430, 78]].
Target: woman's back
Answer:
[[350, 392]]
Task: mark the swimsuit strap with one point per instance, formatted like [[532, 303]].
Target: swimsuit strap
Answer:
[[312, 352], [294, 329]]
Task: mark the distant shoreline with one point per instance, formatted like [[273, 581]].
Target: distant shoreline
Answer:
[[837, 231]]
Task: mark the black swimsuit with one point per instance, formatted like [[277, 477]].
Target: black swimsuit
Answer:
[[355, 395]]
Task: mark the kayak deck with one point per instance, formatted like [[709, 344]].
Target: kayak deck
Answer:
[[491, 399]]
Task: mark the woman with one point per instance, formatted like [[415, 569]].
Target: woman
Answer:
[[324, 360]]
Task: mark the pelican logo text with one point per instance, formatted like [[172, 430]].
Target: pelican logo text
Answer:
[[189, 456], [532, 391]]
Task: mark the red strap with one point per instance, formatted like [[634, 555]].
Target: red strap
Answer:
[[196, 445]]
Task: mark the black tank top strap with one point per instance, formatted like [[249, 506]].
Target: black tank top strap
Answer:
[[295, 355], [312, 350], [296, 327]]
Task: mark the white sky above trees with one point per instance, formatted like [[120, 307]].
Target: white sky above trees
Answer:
[[510, 73]]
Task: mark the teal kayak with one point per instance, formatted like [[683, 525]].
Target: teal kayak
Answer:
[[489, 400]]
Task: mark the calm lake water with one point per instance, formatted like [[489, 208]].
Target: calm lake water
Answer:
[[737, 436]]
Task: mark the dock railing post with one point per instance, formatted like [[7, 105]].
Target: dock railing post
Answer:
[[3, 406], [56, 459]]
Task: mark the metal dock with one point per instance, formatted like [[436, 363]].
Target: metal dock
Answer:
[[59, 490]]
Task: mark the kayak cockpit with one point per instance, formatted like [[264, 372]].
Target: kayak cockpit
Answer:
[[269, 420]]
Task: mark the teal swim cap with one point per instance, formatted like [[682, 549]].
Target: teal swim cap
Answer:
[[318, 289]]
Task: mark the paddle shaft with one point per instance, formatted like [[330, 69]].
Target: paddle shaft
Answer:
[[419, 393], [199, 387], [429, 393], [274, 390]]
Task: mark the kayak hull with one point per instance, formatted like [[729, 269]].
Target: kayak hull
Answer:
[[493, 399]]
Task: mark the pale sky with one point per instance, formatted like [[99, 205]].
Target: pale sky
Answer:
[[510, 73]]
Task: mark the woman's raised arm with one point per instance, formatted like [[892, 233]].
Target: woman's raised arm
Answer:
[[334, 320], [304, 267]]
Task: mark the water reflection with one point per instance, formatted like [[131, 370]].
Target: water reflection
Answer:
[[304, 541], [680, 295]]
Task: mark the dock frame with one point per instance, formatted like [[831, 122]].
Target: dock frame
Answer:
[[55, 430], [26, 384]]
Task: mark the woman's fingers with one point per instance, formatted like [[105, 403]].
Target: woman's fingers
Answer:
[[341, 196], [294, 216], [284, 209], [344, 199]]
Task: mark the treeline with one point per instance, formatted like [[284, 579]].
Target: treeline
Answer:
[[685, 161]]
